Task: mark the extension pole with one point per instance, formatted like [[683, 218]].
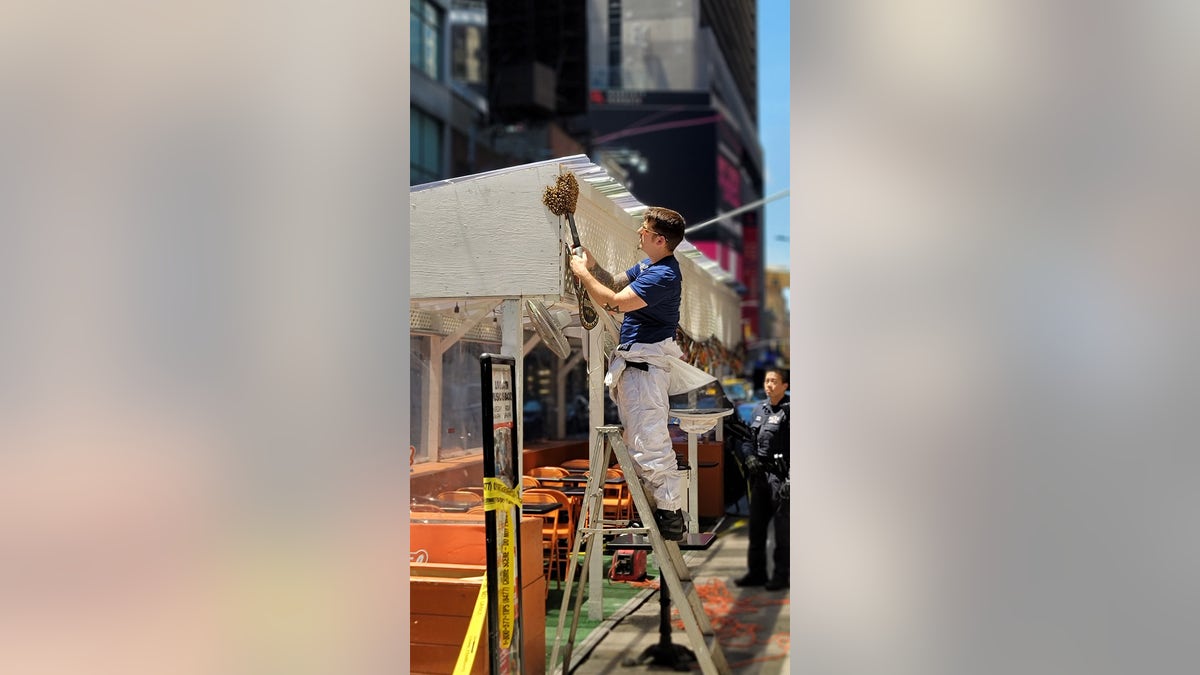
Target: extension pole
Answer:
[[745, 207]]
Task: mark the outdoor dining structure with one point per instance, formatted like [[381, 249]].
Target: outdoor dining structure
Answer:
[[490, 274]]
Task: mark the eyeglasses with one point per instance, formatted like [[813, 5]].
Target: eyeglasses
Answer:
[[643, 228]]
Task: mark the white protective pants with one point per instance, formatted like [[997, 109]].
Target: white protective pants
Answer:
[[641, 398]]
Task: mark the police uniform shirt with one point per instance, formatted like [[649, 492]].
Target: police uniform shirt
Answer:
[[771, 429]]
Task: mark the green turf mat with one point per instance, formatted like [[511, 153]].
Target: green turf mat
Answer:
[[616, 594]]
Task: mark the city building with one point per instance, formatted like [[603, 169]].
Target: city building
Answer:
[[446, 104], [453, 131], [662, 94], [776, 312], [673, 99]]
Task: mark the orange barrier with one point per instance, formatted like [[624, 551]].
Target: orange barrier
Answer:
[[447, 551]]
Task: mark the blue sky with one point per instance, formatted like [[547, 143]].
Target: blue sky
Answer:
[[773, 120]]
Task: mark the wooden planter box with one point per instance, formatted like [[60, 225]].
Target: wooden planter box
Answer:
[[444, 590]]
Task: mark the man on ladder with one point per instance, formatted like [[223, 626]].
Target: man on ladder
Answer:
[[647, 366]]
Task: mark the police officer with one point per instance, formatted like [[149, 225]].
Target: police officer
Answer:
[[765, 458]]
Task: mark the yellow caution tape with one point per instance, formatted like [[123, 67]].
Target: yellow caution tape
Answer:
[[466, 656], [508, 583], [496, 494], [499, 497]]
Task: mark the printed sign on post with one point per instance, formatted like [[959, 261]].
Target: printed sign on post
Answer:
[[502, 509]]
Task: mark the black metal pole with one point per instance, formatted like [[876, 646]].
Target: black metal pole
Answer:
[[666, 653], [664, 618]]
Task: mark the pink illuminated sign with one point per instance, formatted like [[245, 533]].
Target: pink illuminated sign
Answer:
[[729, 181]]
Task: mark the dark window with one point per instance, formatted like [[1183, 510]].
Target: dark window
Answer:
[[425, 37], [425, 148], [614, 44]]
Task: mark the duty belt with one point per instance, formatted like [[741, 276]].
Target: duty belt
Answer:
[[773, 465]]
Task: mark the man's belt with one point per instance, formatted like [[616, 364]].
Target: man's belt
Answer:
[[636, 365]]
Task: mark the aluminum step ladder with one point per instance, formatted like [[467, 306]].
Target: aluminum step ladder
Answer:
[[672, 568]]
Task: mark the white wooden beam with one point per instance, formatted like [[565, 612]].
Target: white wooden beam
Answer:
[[560, 389], [530, 344], [433, 399], [471, 318]]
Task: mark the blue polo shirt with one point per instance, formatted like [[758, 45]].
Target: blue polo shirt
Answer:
[[661, 285]]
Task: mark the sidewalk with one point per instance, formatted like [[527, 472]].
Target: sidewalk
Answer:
[[752, 624]]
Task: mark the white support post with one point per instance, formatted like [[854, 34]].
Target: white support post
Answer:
[[511, 344], [693, 474], [595, 369], [433, 398], [560, 399], [693, 484], [595, 380]]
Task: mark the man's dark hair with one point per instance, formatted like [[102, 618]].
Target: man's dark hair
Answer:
[[668, 223], [781, 372]]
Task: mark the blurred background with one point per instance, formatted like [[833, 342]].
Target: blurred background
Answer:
[[203, 392], [683, 102]]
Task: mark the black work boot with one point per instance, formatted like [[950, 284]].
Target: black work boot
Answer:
[[670, 524], [777, 583], [751, 579]]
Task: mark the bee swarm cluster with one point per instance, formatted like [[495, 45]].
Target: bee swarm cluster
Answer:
[[560, 198]]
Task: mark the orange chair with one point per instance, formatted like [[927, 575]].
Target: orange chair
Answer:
[[551, 532], [576, 465], [618, 501], [565, 517], [473, 489], [461, 497], [530, 482], [546, 474]]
